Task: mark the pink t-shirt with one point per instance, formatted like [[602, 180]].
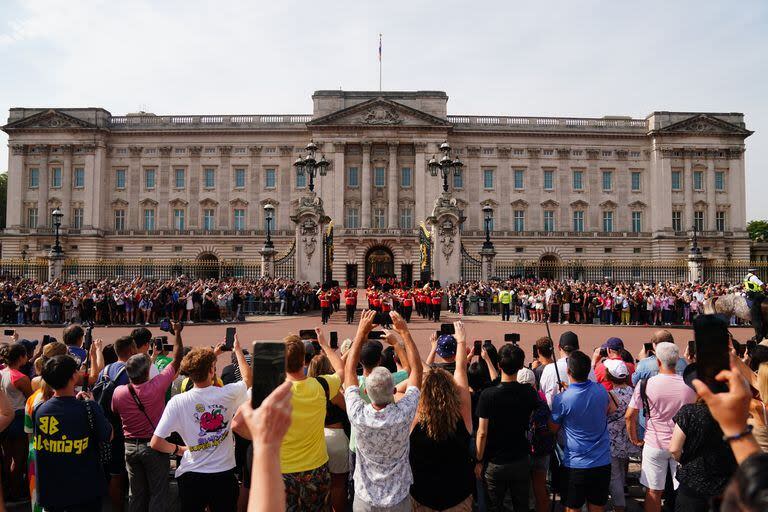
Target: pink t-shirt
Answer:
[[666, 395], [152, 396]]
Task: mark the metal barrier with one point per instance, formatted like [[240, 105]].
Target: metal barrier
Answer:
[[285, 266], [620, 270], [471, 268]]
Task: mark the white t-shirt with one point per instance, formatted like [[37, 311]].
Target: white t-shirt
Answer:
[[203, 418], [548, 381]]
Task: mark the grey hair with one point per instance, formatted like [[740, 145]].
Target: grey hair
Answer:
[[137, 367], [668, 354], [380, 386]]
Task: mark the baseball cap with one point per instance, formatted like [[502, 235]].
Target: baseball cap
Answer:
[[569, 339], [614, 343], [446, 346], [617, 368], [370, 354]]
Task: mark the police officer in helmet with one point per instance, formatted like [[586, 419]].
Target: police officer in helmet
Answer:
[[754, 288]]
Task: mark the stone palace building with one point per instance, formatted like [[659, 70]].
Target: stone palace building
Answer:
[[194, 186]]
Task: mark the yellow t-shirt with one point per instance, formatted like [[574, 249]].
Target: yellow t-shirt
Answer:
[[303, 446]]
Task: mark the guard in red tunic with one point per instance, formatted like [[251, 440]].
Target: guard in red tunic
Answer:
[[407, 305], [325, 305], [350, 301], [437, 301]]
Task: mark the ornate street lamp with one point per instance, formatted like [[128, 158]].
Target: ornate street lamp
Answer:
[[488, 217], [268, 212], [446, 165], [695, 249], [310, 165], [57, 215]]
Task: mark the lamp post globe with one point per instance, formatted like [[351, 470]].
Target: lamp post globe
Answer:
[[487, 218], [446, 165], [56, 215], [310, 165], [268, 216]]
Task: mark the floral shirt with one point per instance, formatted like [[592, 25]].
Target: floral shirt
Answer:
[[621, 446], [383, 475]]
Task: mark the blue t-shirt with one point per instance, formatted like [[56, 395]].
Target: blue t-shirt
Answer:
[[67, 453], [582, 412], [78, 353], [648, 368], [112, 369]]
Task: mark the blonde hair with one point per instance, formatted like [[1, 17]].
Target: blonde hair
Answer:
[[439, 407], [762, 381], [320, 365]]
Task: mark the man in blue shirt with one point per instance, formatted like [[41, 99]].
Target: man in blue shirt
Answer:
[[648, 367], [581, 412]]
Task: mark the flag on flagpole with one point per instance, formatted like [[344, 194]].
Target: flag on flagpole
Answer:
[[379, 47]]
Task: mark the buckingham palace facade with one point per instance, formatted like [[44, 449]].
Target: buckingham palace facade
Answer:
[[194, 186]]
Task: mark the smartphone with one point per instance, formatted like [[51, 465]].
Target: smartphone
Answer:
[[535, 352], [487, 342], [439, 333], [229, 340], [47, 339], [447, 329], [381, 318], [308, 334], [317, 347], [478, 348], [376, 335], [512, 337], [268, 364], [87, 338], [751, 344], [691, 349], [334, 340], [712, 351], [158, 344], [167, 347], [604, 353], [9, 332], [648, 347], [740, 348]]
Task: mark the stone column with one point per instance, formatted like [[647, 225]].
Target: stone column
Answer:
[[338, 170], [194, 221], [223, 186], [661, 190], [254, 189], [687, 191], [133, 187], [99, 185], [90, 176], [473, 180], [392, 186], [55, 265], [736, 189], [365, 185], [267, 261], [709, 185], [283, 191], [16, 185], [310, 220], [446, 241], [420, 182], [43, 215], [695, 267], [66, 186], [487, 255], [593, 186], [163, 186]]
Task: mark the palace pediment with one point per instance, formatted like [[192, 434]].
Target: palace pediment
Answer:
[[50, 120], [703, 124], [379, 112]]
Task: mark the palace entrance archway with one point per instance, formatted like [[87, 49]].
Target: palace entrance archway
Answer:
[[379, 262], [207, 266], [548, 266]]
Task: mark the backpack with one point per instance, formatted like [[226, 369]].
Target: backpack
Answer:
[[104, 389]]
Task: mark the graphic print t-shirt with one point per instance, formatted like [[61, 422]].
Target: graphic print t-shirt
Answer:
[[203, 418]]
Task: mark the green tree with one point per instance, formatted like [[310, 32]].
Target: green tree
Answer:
[[758, 229], [3, 197]]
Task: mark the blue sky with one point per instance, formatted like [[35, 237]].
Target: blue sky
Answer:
[[558, 58]]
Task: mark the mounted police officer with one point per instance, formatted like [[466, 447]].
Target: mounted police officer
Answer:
[[754, 288]]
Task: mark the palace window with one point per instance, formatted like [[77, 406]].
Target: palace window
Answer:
[[698, 180], [178, 219], [209, 177], [607, 181], [519, 221], [676, 181], [149, 179], [270, 178], [56, 177], [635, 181], [577, 152], [379, 218], [488, 179], [607, 153], [634, 154], [31, 217], [120, 179], [353, 177], [79, 177], [608, 222], [405, 177], [698, 220], [301, 179], [34, 177], [77, 218], [548, 152], [119, 220], [179, 178], [719, 181], [239, 177], [549, 180], [518, 152], [239, 219], [578, 221], [378, 177], [406, 217], [549, 221], [677, 221], [353, 217], [578, 180], [637, 222], [720, 221], [458, 180], [518, 179], [149, 219], [209, 219]]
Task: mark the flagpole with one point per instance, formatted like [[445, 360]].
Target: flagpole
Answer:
[[379, 62]]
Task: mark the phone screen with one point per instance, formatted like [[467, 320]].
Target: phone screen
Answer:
[[535, 352], [712, 352], [268, 363], [9, 332], [478, 348], [334, 340], [158, 343], [229, 340], [308, 334], [376, 335], [648, 347], [167, 347], [691, 348], [447, 329]]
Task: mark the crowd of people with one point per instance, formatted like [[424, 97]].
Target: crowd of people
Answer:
[[375, 426], [140, 301], [568, 301]]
